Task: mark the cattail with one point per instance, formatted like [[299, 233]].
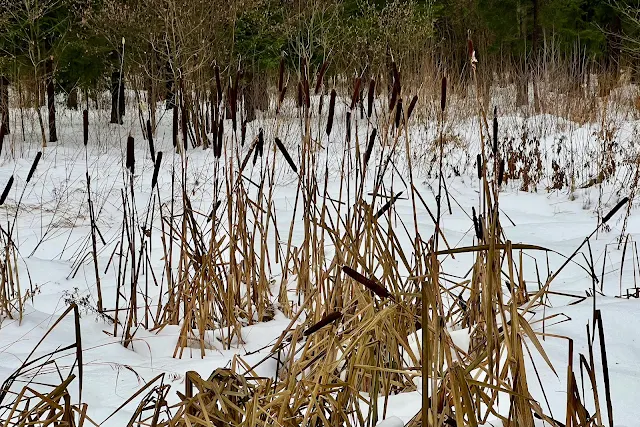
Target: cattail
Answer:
[[5, 193], [398, 113], [323, 69], [217, 152], [131, 161], [332, 107], [85, 127], [480, 228], [283, 92], [299, 94], [216, 71], [34, 165], [156, 169], [243, 132], [348, 137], [387, 205], [259, 146], [152, 148], [476, 226], [320, 104], [325, 321], [233, 102], [370, 97], [307, 96], [470, 48], [367, 154], [395, 93], [501, 172], [286, 155], [175, 126], [184, 125], [2, 133], [443, 94], [372, 285], [479, 163], [495, 130], [281, 76], [356, 93], [613, 211], [412, 106]]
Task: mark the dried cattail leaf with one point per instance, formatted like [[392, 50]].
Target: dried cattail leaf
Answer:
[[325, 321], [286, 155], [5, 193], [372, 285], [34, 165], [332, 107], [156, 169]]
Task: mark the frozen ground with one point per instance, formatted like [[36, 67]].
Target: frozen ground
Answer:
[[52, 231]]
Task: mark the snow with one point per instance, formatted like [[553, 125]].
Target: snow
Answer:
[[52, 232]]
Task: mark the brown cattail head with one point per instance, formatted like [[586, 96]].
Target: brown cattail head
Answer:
[[495, 130], [332, 107], [370, 97], [152, 148], [372, 285], [480, 165], [356, 93], [174, 130], [443, 94], [501, 172], [5, 193], [286, 155], [395, 93], [131, 161], [2, 133], [300, 94], [217, 150], [613, 211], [156, 169], [34, 165], [216, 72], [325, 321], [259, 146], [412, 106], [470, 49], [367, 153], [85, 127], [398, 113], [323, 70], [348, 118]]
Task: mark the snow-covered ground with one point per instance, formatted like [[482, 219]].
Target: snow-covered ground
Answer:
[[52, 232]]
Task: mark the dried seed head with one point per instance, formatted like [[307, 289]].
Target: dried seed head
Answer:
[[156, 169], [325, 321], [85, 127], [348, 119], [34, 165], [356, 93], [495, 130], [332, 106], [412, 106], [367, 153], [131, 161], [5, 193], [372, 285], [286, 155], [613, 211], [443, 94], [370, 97], [152, 148], [480, 165], [501, 172], [398, 113], [323, 69]]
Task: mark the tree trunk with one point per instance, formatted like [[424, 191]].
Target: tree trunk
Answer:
[[4, 103], [51, 101]]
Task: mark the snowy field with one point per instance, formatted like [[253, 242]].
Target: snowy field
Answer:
[[53, 236]]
